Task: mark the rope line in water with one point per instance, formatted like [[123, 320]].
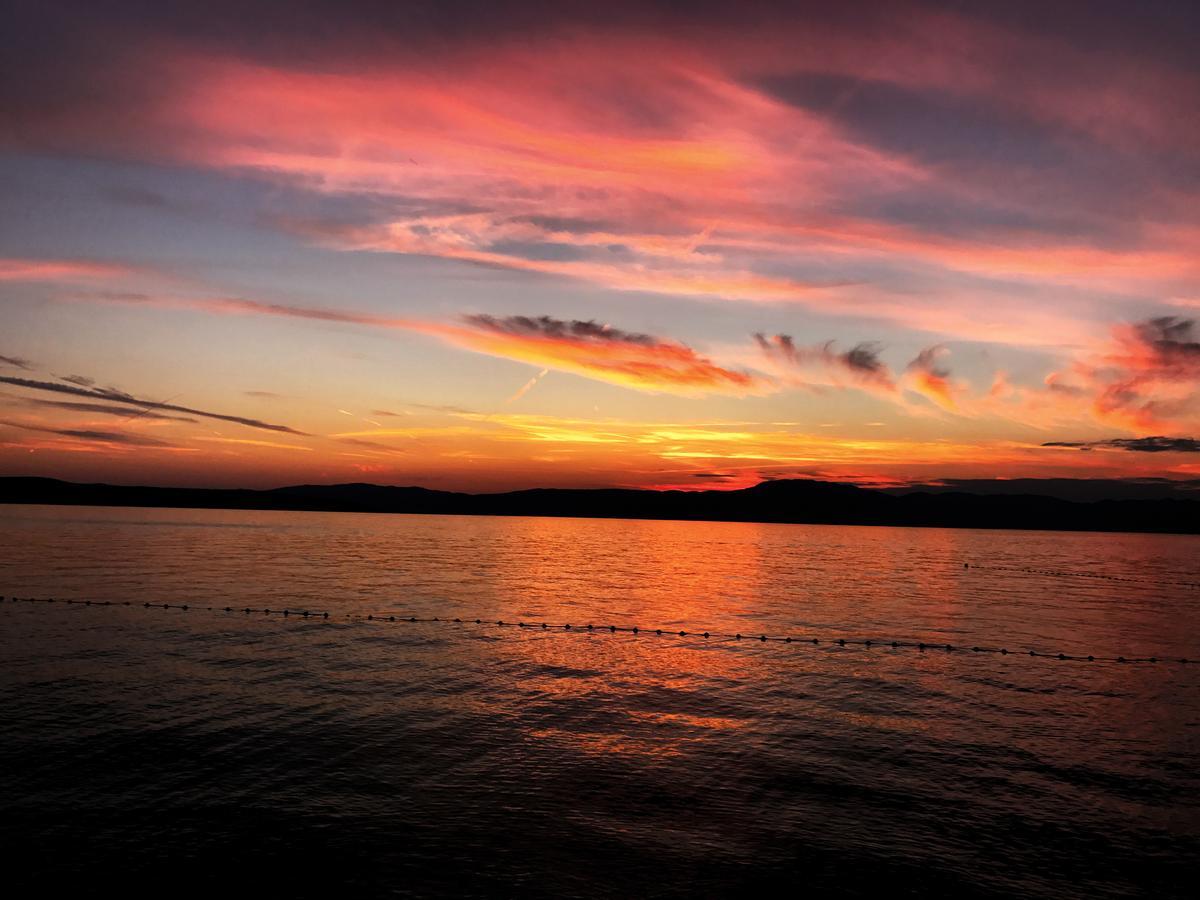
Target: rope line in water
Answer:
[[748, 637], [1099, 576]]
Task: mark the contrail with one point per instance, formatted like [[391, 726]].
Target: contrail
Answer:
[[524, 389]]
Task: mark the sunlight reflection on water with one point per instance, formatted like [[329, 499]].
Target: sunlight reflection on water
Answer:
[[435, 758]]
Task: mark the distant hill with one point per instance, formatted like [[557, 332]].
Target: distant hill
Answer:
[[794, 500]]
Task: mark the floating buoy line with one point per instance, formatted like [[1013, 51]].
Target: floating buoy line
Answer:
[[1098, 576], [750, 638]]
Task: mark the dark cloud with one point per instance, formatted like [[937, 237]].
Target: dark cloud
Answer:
[[712, 476], [386, 413], [1139, 445], [16, 362], [265, 395], [558, 329], [926, 361], [101, 409], [114, 396], [1174, 345], [103, 437], [861, 361], [81, 380]]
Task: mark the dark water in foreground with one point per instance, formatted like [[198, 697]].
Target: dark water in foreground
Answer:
[[173, 752]]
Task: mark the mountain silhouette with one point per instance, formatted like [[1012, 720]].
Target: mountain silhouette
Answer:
[[785, 500]]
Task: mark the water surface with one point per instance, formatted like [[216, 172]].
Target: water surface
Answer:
[[208, 750]]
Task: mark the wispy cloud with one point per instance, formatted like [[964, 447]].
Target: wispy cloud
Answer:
[[94, 436], [104, 410], [115, 396], [16, 362], [860, 364], [66, 270]]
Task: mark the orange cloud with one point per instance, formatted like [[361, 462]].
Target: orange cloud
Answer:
[[602, 353], [585, 348], [925, 377]]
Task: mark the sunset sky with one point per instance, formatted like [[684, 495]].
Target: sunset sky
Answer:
[[483, 246]]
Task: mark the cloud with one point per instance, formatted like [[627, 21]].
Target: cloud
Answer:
[[581, 347], [1146, 378], [1156, 444], [602, 353], [115, 396], [16, 362], [925, 377], [80, 380], [93, 436], [861, 363], [59, 270], [101, 409], [264, 395], [371, 445], [526, 387]]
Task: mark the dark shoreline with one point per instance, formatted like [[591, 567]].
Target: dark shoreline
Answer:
[[784, 502]]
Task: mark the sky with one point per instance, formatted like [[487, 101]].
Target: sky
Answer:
[[481, 246]]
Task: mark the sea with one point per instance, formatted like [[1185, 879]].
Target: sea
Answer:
[[353, 752]]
